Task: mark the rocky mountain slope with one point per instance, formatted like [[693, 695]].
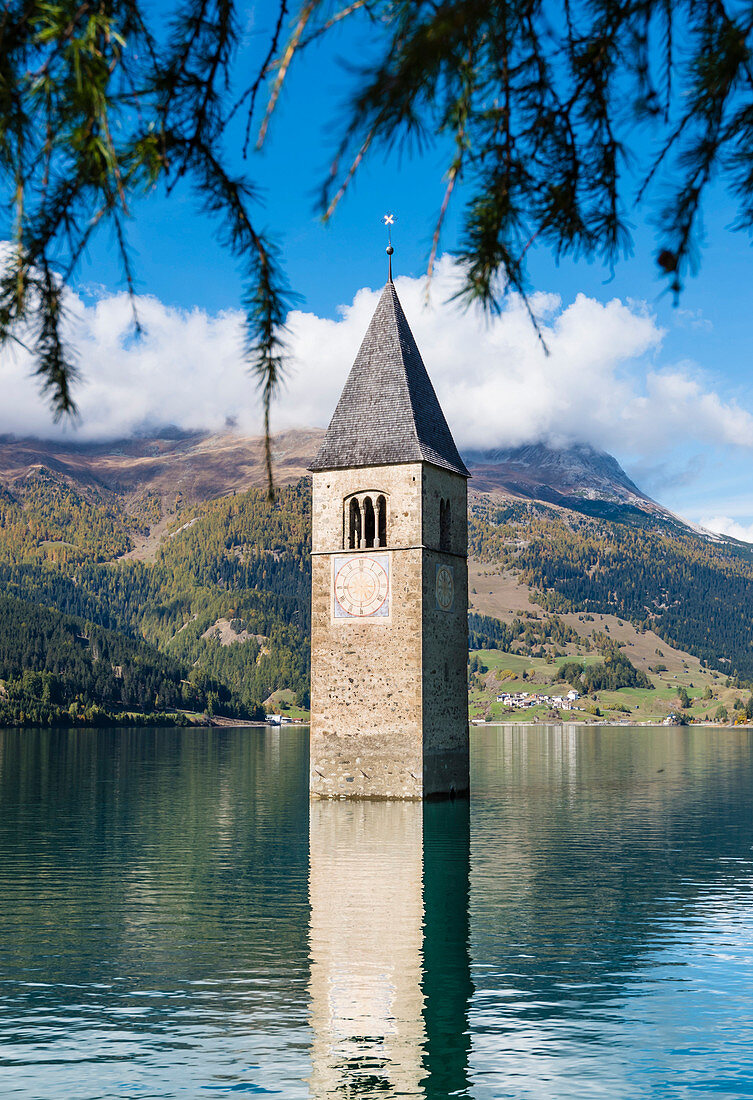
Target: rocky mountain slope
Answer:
[[193, 466], [170, 541], [199, 466], [537, 470], [577, 477]]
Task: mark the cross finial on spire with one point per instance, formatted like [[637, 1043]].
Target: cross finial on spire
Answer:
[[389, 221]]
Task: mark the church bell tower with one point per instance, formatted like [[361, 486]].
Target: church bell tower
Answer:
[[389, 632]]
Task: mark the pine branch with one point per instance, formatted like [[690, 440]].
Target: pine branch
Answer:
[[535, 110]]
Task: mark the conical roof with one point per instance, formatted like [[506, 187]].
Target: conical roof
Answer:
[[388, 412]]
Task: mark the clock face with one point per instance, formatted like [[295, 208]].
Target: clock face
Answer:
[[362, 586], [445, 588]]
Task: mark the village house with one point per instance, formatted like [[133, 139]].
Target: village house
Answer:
[[522, 699]]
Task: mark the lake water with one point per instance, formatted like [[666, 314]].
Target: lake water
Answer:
[[175, 921]]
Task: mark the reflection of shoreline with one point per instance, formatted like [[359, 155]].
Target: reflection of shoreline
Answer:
[[303, 723], [626, 725], [389, 968]]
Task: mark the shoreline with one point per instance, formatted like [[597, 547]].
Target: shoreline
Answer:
[[628, 725], [220, 722]]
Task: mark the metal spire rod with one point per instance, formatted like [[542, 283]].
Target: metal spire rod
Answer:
[[389, 221]]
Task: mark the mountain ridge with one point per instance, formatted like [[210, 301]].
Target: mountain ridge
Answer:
[[577, 468], [170, 539], [197, 466]]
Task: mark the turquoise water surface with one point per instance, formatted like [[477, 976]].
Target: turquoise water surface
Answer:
[[176, 921]]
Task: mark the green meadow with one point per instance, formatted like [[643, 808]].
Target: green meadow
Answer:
[[510, 672]]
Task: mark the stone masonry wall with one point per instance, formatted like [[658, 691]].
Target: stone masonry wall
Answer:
[[445, 640], [389, 695], [366, 692]]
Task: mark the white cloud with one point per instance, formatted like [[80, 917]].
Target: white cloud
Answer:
[[692, 318], [725, 525], [497, 384], [186, 370]]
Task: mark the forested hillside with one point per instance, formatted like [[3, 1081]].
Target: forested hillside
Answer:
[[215, 616], [694, 593], [57, 667], [48, 519], [224, 604]]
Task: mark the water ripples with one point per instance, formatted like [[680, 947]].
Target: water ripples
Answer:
[[175, 921]]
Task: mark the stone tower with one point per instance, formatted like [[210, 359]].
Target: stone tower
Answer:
[[389, 631]]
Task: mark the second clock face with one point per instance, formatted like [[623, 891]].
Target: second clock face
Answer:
[[362, 586], [445, 588]]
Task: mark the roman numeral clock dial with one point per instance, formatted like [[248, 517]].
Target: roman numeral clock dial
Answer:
[[362, 586]]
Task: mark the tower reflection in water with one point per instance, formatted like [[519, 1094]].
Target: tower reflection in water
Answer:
[[390, 976]]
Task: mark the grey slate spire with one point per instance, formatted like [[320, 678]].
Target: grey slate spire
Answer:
[[388, 412]]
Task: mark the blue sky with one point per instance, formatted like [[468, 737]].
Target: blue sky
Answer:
[[180, 263]]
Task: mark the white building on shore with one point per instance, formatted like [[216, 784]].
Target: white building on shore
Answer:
[[521, 700]]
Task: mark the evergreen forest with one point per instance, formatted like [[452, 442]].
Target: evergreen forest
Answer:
[[214, 624], [215, 620], [694, 591]]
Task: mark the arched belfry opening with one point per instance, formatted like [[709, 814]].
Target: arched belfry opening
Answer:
[[445, 524], [366, 521], [354, 527], [381, 521], [369, 523]]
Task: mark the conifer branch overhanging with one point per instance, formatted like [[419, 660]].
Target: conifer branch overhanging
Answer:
[[542, 110]]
